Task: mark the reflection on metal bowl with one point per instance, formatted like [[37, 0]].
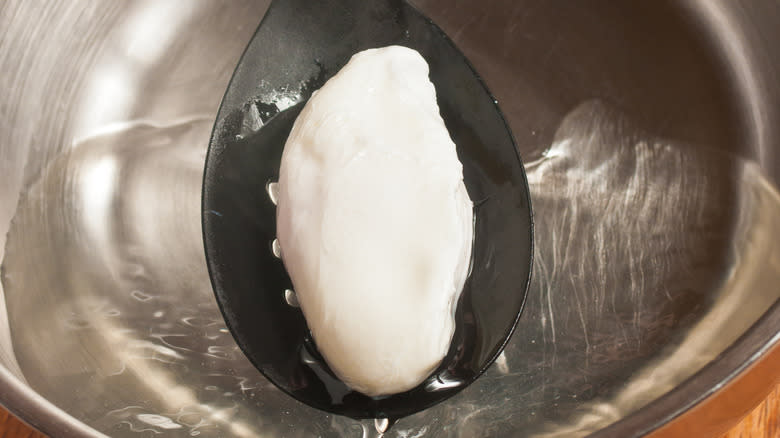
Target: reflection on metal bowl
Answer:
[[653, 162]]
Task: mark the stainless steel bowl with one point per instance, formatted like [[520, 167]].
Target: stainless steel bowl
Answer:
[[650, 133]]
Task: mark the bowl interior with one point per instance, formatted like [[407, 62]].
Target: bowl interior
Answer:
[[645, 129]]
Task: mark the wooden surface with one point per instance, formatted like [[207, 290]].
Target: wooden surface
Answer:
[[762, 422], [10, 427]]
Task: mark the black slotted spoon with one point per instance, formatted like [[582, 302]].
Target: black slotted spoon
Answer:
[[299, 45]]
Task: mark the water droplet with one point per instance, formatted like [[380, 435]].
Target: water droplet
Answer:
[[273, 191], [307, 357], [253, 120], [381, 424], [443, 381], [501, 363], [160, 421], [291, 298], [140, 295], [276, 249]]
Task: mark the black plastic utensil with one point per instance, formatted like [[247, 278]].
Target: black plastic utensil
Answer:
[[297, 47]]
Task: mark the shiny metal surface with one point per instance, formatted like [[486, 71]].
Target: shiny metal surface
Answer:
[[653, 160]]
